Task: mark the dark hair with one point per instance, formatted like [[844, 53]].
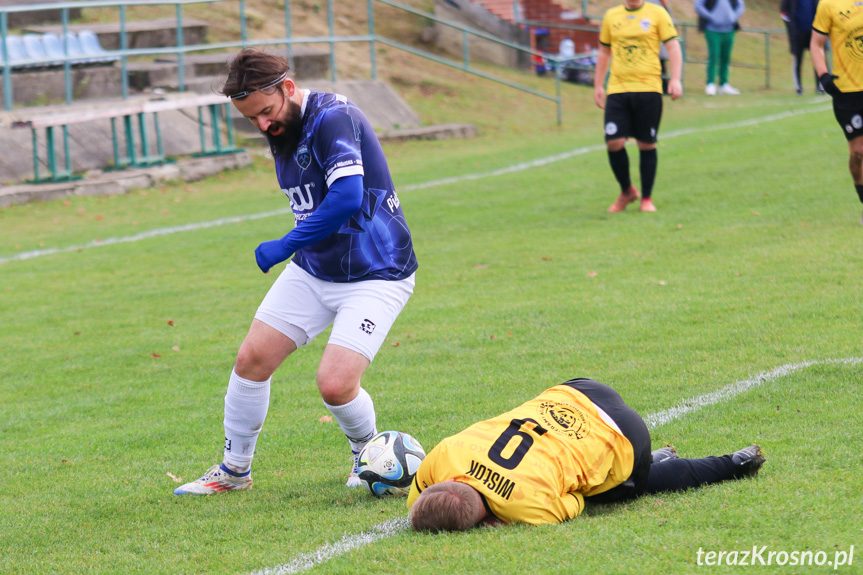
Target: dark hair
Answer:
[[251, 70], [447, 506]]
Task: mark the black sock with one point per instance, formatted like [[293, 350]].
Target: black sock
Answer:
[[619, 161], [859, 188], [647, 166]]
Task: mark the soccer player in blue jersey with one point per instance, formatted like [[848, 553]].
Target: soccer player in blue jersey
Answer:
[[353, 262]]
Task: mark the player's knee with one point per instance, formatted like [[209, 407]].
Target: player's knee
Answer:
[[252, 364], [335, 390]]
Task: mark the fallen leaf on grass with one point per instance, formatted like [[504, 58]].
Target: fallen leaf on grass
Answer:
[[396, 344], [155, 355], [480, 266], [591, 274], [325, 419], [176, 348], [174, 477], [171, 322]]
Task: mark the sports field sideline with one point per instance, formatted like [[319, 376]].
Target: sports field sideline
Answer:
[[117, 358]]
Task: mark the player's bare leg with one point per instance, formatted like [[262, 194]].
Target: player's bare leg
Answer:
[[339, 376]]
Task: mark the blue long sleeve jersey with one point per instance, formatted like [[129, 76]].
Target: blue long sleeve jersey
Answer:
[[347, 228]]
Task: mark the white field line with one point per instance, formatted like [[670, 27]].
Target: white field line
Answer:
[[145, 235], [423, 185], [307, 561]]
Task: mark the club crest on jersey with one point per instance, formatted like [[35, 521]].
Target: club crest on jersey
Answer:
[[611, 128], [565, 419], [304, 158], [645, 24]]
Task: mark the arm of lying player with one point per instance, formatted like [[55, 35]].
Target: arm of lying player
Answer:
[[344, 198]]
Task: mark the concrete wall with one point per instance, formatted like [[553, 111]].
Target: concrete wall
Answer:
[[475, 16]]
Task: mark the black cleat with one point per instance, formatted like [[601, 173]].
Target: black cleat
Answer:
[[748, 461], [664, 454]]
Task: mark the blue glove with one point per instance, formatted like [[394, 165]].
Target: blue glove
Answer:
[[271, 253]]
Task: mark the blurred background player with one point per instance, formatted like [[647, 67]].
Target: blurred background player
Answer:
[[798, 16], [539, 462], [630, 39], [718, 19], [353, 261], [842, 22]]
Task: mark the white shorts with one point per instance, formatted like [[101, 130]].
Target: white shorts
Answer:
[[301, 306]]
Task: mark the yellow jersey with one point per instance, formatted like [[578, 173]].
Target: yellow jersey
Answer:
[[842, 20], [635, 37], [536, 463]]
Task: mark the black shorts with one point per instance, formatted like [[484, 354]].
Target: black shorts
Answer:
[[633, 115], [848, 110], [633, 428]]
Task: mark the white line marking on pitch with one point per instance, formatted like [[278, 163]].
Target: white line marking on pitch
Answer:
[[307, 561], [433, 183]]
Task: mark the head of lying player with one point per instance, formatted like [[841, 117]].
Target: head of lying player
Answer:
[[450, 506]]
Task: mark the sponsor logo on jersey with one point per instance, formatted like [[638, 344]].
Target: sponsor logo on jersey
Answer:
[[564, 419], [301, 200]]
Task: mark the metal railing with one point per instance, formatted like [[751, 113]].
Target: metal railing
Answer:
[[125, 53]]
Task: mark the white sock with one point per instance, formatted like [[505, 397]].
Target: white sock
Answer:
[[246, 405], [357, 419]]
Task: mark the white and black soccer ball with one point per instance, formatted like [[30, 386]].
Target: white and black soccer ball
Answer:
[[388, 463]]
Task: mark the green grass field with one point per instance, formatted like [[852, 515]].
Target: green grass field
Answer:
[[116, 357]]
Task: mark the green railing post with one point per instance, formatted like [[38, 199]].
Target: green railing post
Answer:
[[35, 154], [214, 126], [559, 99], [7, 63], [52, 159], [372, 56], [145, 145], [767, 59], [331, 26], [130, 140]]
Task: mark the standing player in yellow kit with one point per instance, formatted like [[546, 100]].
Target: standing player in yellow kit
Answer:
[[539, 462], [842, 22], [630, 39]]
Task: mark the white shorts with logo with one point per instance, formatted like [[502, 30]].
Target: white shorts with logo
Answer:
[[301, 306]]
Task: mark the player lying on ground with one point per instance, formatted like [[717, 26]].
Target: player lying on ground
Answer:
[[537, 463]]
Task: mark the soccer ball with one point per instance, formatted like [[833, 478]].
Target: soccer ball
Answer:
[[388, 463]]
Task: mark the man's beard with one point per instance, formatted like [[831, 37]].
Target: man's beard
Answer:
[[285, 144]]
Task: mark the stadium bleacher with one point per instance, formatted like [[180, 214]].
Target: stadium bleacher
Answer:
[[49, 50]]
